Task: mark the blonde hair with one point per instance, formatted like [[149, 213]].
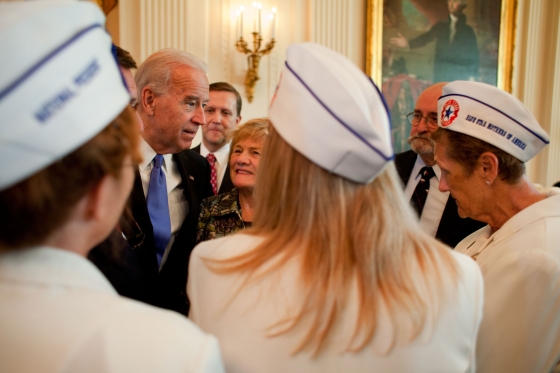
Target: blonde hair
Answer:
[[255, 129], [345, 234]]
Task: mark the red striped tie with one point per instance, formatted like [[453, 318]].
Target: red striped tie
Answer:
[[213, 173]]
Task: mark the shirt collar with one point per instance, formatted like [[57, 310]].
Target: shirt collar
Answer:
[[418, 166], [222, 154], [148, 155], [53, 267]]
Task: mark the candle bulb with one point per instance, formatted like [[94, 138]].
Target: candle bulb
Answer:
[[241, 28], [273, 22], [255, 17], [237, 14], [259, 7]]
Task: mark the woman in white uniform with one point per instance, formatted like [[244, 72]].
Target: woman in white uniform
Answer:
[[68, 147], [486, 137], [335, 275]]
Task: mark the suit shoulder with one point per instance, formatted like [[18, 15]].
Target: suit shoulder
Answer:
[[405, 157], [190, 155]]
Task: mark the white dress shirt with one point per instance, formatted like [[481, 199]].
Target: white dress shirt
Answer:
[[520, 263], [435, 202], [58, 313], [452, 28], [222, 159], [178, 205]]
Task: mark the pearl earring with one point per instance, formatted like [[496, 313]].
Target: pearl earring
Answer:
[[488, 182]]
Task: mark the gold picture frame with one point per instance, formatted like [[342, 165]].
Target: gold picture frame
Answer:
[[419, 65], [374, 41]]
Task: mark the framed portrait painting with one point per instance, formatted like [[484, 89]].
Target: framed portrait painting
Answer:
[[412, 44]]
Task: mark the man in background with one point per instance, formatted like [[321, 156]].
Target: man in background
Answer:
[[420, 174], [223, 114], [126, 65]]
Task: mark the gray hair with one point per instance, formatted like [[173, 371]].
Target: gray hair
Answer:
[[156, 71]]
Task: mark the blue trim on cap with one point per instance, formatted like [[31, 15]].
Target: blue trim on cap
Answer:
[[46, 59], [387, 158], [499, 111]]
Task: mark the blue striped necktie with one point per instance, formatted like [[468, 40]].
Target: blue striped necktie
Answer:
[[158, 207]]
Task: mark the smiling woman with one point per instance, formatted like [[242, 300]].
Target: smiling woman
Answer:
[[230, 212]]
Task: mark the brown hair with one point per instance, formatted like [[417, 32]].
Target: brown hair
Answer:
[[344, 234], [466, 150], [34, 208], [255, 129], [226, 87], [124, 59]]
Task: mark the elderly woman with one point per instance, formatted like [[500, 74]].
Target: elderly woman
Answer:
[[72, 151], [233, 211], [335, 275], [486, 136]]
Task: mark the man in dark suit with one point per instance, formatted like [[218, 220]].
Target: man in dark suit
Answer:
[[420, 175], [456, 54], [223, 114], [172, 180]]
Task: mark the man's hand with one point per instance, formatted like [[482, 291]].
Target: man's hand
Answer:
[[400, 41]]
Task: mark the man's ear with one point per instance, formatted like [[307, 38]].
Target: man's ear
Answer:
[[148, 100], [238, 119], [488, 166]]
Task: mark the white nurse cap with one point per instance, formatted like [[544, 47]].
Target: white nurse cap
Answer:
[[493, 116], [328, 110]]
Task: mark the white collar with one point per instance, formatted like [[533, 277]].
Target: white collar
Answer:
[[148, 155], [222, 154], [53, 267], [418, 166]]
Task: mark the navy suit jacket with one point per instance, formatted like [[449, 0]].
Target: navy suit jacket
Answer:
[[227, 184], [452, 228], [167, 287]]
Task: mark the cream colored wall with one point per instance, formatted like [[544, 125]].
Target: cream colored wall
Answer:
[[207, 29], [536, 79]]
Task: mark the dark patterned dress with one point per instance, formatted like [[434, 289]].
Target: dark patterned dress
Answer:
[[220, 216]]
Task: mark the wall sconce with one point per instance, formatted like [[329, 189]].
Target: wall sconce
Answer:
[[254, 56]]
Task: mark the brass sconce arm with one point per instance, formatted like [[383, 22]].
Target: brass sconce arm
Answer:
[[253, 60]]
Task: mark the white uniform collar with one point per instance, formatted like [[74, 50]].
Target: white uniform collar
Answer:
[[52, 267], [418, 166]]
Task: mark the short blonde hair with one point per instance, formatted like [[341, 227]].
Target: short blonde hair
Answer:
[[255, 129]]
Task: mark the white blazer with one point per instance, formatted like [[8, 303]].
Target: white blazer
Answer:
[[241, 320], [520, 262], [59, 314]]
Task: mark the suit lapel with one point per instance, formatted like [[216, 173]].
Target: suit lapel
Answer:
[[404, 162], [137, 203]]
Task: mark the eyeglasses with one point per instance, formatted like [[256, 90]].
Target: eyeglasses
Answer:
[[416, 118]]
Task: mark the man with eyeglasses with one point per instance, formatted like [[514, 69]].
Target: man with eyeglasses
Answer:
[[420, 174]]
